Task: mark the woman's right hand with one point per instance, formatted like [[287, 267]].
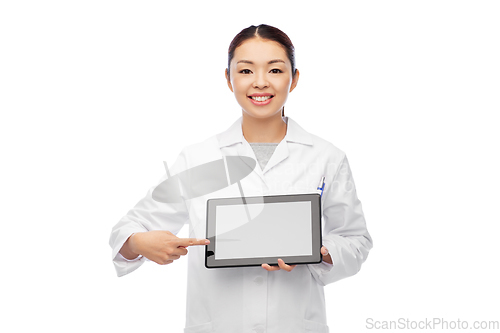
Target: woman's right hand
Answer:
[[160, 246]]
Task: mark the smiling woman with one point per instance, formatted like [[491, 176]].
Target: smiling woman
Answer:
[[261, 80], [280, 298], [261, 73]]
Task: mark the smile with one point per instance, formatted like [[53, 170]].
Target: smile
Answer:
[[260, 100]]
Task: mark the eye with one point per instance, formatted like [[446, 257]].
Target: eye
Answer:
[[276, 69], [243, 71]]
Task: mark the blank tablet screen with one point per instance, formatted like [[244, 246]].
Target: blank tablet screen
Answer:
[[250, 231], [280, 228]]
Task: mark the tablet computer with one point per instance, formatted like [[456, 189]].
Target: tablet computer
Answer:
[[250, 231]]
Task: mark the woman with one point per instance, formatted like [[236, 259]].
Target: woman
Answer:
[[285, 298]]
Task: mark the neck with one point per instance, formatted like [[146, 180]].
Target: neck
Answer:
[[271, 129]]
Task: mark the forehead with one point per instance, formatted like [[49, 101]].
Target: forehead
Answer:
[[260, 51]]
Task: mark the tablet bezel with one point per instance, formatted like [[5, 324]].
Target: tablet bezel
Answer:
[[315, 258]]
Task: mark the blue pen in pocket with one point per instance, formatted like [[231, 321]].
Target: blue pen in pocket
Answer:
[[321, 185]]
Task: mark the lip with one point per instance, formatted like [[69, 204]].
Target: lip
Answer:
[[260, 95]]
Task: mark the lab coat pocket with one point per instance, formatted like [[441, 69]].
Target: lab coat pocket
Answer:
[[312, 326], [203, 328]]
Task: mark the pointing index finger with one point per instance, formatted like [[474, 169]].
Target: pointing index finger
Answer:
[[192, 241]]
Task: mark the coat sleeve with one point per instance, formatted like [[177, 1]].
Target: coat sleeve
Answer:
[[344, 234], [148, 215]]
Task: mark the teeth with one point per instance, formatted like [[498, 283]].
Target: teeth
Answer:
[[261, 99]]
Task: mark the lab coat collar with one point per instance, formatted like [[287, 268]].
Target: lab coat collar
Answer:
[[234, 134], [294, 133]]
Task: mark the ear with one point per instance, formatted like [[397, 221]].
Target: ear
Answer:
[[295, 80], [228, 81]]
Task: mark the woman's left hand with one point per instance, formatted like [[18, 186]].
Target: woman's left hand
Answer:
[[281, 265], [288, 268], [326, 255]]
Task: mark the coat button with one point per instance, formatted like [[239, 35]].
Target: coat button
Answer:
[[258, 280]]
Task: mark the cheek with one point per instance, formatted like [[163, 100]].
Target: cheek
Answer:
[[282, 85], [239, 86]]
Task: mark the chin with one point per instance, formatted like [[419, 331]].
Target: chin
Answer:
[[263, 114]]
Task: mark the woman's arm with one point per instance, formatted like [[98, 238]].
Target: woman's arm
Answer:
[[148, 215], [345, 234]]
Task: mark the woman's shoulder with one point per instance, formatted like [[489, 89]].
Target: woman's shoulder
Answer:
[[318, 143], [200, 152], [327, 145], [300, 134]]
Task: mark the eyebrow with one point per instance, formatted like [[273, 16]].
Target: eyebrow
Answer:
[[270, 62]]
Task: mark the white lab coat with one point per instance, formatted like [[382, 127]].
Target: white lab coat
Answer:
[[251, 299]]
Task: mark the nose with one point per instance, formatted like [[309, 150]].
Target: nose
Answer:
[[260, 81]]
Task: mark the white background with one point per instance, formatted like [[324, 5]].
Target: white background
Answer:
[[94, 95]]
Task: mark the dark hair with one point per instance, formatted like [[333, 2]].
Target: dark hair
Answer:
[[263, 31]]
